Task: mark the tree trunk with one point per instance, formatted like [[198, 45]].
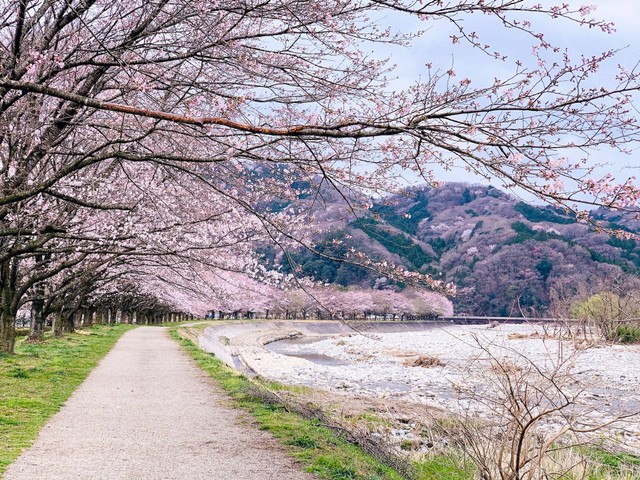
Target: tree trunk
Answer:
[[36, 331], [7, 316], [88, 317], [56, 327], [7, 332], [67, 323]]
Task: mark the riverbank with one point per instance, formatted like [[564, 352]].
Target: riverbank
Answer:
[[433, 366]]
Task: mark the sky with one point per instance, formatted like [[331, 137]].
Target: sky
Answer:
[[436, 47]]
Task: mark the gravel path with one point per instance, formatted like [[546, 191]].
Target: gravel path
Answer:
[[148, 412]]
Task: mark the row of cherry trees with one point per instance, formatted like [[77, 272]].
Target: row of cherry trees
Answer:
[[111, 234], [244, 297], [148, 144]]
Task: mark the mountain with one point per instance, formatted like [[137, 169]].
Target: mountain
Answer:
[[507, 257]]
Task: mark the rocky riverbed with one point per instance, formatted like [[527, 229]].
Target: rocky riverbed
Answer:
[[456, 368]]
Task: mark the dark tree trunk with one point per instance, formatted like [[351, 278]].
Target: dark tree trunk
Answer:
[[36, 331], [77, 319], [56, 327], [8, 277], [87, 317], [67, 323], [7, 332]]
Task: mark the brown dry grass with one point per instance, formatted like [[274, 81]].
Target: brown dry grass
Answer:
[[506, 366], [424, 361], [524, 336]]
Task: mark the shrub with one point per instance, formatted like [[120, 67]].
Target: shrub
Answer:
[[543, 214], [406, 445], [627, 334], [609, 311]]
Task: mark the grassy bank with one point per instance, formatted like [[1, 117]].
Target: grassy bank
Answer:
[[40, 377], [318, 448]]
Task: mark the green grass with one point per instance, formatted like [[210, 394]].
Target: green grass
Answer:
[[613, 465], [178, 324], [446, 467], [318, 448], [40, 377]]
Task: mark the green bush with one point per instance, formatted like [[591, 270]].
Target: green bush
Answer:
[[399, 244], [406, 445], [627, 334]]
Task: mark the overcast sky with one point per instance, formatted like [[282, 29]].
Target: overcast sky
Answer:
[[436, 47]]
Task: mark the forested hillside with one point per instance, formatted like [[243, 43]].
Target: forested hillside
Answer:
[[506, 257]]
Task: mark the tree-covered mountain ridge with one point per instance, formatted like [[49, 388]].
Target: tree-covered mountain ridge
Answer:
[[507, 257]]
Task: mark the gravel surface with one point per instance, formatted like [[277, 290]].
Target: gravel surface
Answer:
[[378, 365], [148, 412]]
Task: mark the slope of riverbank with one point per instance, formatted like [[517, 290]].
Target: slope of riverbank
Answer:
[[383, 364]]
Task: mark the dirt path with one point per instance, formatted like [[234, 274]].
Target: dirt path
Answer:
[[147, 412]]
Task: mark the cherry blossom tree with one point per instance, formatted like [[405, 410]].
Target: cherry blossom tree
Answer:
[[135, 129], [277, 81], [151, 229], [427, 303]]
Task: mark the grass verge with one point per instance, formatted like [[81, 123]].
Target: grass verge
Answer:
[[318, 448], [40, 377]]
